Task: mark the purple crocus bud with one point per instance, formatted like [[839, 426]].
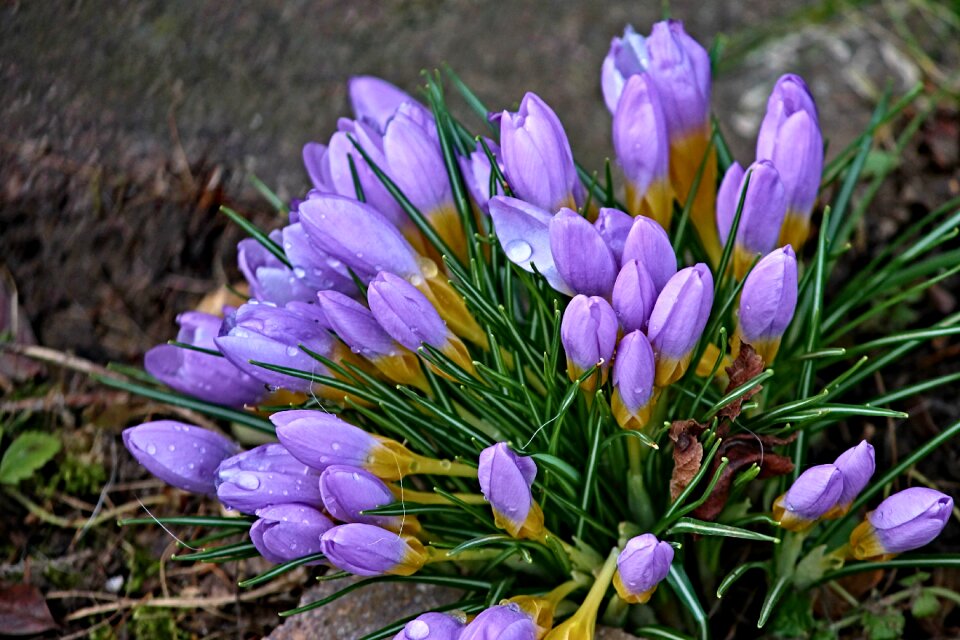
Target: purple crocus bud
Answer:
[[524, 233], [680, 69], [613, 226], [767, 302], [537, 158], [320, 440], [728, 199], [317, 164], [642, 564], [375, 100], [368, 550], [343, 228], [270, 280], [790, 137], [907, 520], [502, 622], [349, 491], [650, 244], [182, 455], [634, 295], [286, 532], [812, 495], [272, 335], [197, 374], [264, 476], [476, 172], [677, 320], [643, 149], [312, 267], [356, 326], [431, 626], [760, 219], [405, 313], [505, 480], [857, 465], [627, 57], [582, 257], [588, 332], [634, 372]]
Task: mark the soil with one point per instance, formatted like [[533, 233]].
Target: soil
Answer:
[[124, 126]]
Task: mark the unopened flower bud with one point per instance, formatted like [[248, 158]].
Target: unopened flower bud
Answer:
[[505, 480], [588, 332], [368, 550], [677, 320], [634, 371], [270, 280], [812, 495], [285, 532], [264, 476], [907, 520], [502, 622], [761, 216], [349, 491], [182, 455], [582, 257], [648, 243], [374, 100], [536, 155], [642, 564], [431, 626], [768, 301], [634, 295], [524, 233], [476, 170], [857, 465], [614, 226], [627, 57]]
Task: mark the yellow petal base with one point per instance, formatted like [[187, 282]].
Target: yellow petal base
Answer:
[[656, 202], [634, 421], [787, 519], [670, 370], [795, 230], [413, 560], [686, 154], [529, 529], [864, 544], [632, 598]]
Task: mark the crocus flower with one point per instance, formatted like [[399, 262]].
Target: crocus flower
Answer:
[[582, 257], [536, 155], [431, 626], [642, 564], [907, 520], [270, 280], [857, 465], [368, 550], [761, 217], [634, 371], [680, 68], [349, 491], [768, 301], [812, 495], [649, 243], [677, 320], [502, 622], [205, 376], [264, 476], [343, 228], [790, 137], [588, 332], [476, 172], [182, 455], [409, 318], [286, 532], [613, 226], [643, 149], [505, 480], [272, 335], [634, 295], [321, 440], [312, 267], [524, 233], [374, 100], [627, 57], [356, 326], [415, 163]]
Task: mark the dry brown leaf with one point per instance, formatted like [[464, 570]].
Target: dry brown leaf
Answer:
[[746, 367], [687, 454], [23, 611]]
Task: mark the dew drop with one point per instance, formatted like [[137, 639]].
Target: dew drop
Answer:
[[335, 446], [292, 351], [518, 250], [172, 447], [417, 630], [248, 481], [300, 272], [333, 263], [151, 449]]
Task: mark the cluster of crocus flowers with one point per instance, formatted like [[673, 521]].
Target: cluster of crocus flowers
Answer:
[[358, 325], [907, 520]]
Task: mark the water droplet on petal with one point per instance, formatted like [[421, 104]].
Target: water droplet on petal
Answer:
[[299, 272], [248, 481], [417, 630], [152, 449], [518, 250], [292, 351]]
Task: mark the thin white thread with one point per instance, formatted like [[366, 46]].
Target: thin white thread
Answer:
[[169, 533], [539, 429]]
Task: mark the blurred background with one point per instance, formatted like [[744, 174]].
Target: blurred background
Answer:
[[125, 125]]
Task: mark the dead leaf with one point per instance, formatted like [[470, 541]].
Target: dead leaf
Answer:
[[687, 454], [746, 367], [743, 450], [23, 611]]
